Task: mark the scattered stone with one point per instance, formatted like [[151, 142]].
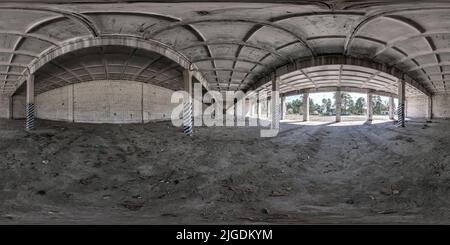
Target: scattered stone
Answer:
[[88, 180], [67, 195], [350, 201], [132, 205], [389, 211], [395, 192], [278, 194], [202, 12], [41, 192], [8, 217], [45, 161], [169, 215], [265, 211]]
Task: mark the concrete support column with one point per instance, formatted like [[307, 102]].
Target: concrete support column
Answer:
[[305, 107], [275, 103], [29, 125], [256, 109], [253, 107], [430, 108], [235, 112], [338, 106], [10, 107], [213, 102], [71, 104], [187, 102], [369, 107], [406, 107], [267, 107], [391, 108], [283, 107], [401, 103], [246, 110]]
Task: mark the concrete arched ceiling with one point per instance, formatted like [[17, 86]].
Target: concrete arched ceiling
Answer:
[[109, 63], [235, 44]]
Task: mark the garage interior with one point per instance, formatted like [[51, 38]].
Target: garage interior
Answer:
[[86, 135]]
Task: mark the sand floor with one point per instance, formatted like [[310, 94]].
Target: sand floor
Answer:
[[314, 172]]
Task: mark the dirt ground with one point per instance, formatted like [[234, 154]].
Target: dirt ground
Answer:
[[153, 174]]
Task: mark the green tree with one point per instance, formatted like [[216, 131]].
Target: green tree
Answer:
[[347, 103], [329, 104], [312, 106], [359, 105], [377, 105], [325, 107], [294, 106]]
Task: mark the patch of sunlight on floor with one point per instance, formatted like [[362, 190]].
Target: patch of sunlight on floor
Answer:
[[298, 122], [349, 123], [381, 121], [357, 123], [334, 124]]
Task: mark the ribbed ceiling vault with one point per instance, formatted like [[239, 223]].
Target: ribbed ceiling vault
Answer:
[[235, 44]]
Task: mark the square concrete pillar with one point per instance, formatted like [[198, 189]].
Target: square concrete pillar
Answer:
[[283, 107], [275, 103], [406, 107], [252, 107], [10, 107], [246, 111], [430, 108], [235, 109], [29, 111], [305, 107], [187, 103], [391, 108], [258, 108], [338, 106], [401, 103], [71, 104], [369, 107]]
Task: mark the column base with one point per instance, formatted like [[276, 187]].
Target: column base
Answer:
[[29, 124], [187, 118]]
